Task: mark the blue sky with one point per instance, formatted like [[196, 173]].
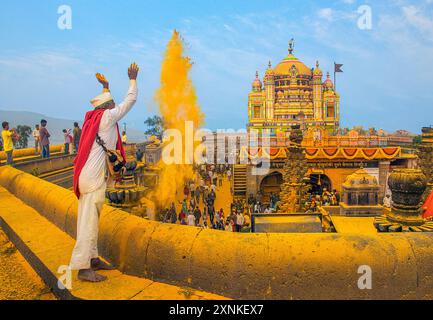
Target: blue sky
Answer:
[[388, 70]]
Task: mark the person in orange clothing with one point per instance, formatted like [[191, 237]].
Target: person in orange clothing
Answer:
[[428, 208]]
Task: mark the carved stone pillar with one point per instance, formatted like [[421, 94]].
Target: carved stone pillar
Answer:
[[407, 187], [384, 168]]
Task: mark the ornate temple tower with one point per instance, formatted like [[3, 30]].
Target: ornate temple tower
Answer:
[[293, 94], [331, 104], [256, 100], [317, 94], [270, 91]]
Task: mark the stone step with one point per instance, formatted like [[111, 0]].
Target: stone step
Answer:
[[47, 249]]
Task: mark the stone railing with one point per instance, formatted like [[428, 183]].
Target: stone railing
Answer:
[[344, 141], [18, 153], [245, 266]]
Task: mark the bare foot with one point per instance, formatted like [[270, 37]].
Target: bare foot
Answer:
[[98, 264], [90, 275]]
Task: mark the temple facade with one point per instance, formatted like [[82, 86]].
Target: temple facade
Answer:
[[292, 93]]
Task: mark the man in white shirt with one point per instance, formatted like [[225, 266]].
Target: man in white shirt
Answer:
[[192, 188], [191, 219], [35, 135], [239, 221], [90, 169]]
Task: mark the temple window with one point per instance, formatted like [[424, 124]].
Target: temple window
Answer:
[[256, 112], [330, 112]]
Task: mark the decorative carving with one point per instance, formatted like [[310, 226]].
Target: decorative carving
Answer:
[[425, 156], [291, 45], [126, 194], [407, 187], [294, 71], [295, 186]]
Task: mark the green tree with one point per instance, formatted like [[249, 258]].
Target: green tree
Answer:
[[155, 126], [24, 133], [417, 140]]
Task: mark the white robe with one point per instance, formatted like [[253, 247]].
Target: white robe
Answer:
[[92, 183]]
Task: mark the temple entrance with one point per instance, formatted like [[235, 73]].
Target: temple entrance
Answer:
[[271, 184], [319, 182]]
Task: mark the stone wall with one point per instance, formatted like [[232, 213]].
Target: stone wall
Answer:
[[248, 266], [18, 153]]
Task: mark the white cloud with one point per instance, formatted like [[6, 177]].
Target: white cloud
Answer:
[[416, 18], [326, 13]]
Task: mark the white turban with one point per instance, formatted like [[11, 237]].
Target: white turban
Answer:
[[101, 99]]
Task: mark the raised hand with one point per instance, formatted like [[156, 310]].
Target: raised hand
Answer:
[[133, 71], [102, 80]]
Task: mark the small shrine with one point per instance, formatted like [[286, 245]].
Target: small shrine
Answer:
[[360, 195]]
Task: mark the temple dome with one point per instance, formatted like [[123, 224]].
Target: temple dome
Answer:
[[269, 71], [328, 82], [285, 66], [360, 178], [317, 71], [257, 84]]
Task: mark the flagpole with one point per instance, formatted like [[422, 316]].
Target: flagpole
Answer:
[[335, 79]]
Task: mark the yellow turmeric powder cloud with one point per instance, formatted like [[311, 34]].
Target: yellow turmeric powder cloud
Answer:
[[178, 103]]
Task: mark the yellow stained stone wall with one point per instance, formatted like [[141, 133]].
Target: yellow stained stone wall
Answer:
[[337, 176], [18, 153], [247, 266]]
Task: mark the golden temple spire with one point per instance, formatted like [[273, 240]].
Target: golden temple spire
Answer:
[[269, 64], [291, 45], [317, 63]]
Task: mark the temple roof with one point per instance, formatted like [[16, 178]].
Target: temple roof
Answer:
[[360, 179], [257, 84], [283, 68], [328, 82]]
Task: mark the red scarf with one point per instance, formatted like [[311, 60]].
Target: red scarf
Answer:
[[428, 206], [88, 137]]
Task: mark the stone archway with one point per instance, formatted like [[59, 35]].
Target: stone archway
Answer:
[[271, 183], [319, 182]]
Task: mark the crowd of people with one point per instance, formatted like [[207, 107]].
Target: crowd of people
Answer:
[[327, 198], [202, 193], [198, 205], [256, 206], [315, 200], [41, 137]]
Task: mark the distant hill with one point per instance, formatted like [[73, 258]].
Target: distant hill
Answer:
[[55, 125]]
